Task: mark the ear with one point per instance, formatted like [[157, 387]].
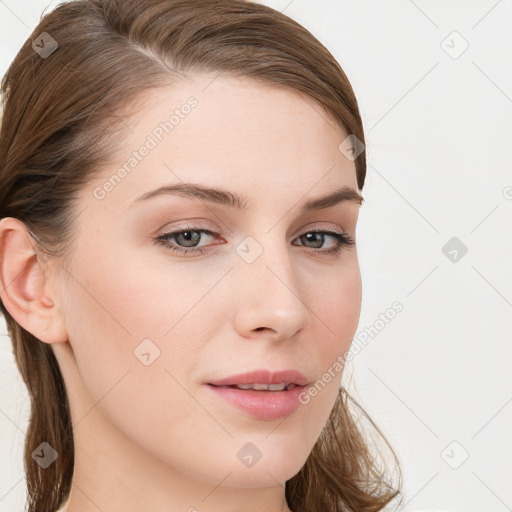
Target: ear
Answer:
[[24, 286]]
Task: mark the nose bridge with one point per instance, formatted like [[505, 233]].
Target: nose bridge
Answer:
[[269, 290]]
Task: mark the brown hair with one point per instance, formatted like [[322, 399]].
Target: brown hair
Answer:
[[60, 125]]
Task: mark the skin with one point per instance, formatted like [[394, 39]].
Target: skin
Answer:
[[153, 437]]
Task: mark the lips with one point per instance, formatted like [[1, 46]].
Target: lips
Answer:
[[277, 396], [265, 377], [260, 405]]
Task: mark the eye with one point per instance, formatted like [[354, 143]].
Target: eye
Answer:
[[189, 237], [317, 237], [186, 240]]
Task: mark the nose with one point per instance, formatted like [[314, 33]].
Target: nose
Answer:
[[269, 298]]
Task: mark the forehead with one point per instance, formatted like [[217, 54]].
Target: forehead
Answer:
[[237, 133]]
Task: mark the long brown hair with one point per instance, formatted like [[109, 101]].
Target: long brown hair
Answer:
[[61, 96]]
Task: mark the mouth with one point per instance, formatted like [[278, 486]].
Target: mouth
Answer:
[[264, 380], [262, 394], [284, 386]]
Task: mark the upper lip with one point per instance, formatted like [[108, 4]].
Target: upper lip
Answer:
[[263, 377]]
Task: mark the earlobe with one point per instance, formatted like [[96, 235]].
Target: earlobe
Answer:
[[23, 284]]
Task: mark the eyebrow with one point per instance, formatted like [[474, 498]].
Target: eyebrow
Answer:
[[226, 198]]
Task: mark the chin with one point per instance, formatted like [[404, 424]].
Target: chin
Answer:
[[262, 476], [277, 464]]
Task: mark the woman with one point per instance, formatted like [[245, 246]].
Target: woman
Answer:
[[181, 182]]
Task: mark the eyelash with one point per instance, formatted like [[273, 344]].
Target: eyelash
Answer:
[[343, 240]]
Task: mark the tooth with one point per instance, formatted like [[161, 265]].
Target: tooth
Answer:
[[244, 386], [265, 387], [276, 387], [260, 387]]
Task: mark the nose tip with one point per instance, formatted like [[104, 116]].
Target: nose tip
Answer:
[[268, 303]]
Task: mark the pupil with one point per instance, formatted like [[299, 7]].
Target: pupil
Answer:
[[318, 236], [187, 235]]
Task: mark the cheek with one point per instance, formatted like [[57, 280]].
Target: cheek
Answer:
[[336, 312], [125, 313], [109, 314], [336, 307]]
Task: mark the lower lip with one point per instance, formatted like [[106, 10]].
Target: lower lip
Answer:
[[263, 405]]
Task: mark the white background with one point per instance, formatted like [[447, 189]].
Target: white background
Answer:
[[439, 134]]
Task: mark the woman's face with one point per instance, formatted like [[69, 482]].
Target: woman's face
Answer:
[[150, 327]]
